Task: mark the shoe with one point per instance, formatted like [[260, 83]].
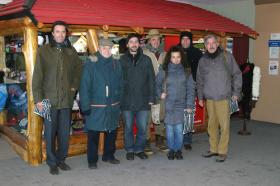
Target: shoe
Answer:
[[141, 155], [112, 161], [209, 154], [63, 166], [162, 147], [188, 146], [221, 158], [148, 150], [54, 170], [92, 165], [130, 156], [171, 155], [178, 155]]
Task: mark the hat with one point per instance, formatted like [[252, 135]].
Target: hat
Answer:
[[131, 36], [152, 33], [105, 42], [186, 34]]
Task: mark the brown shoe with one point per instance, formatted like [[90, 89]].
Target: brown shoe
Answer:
[[148, 150], [221, 158], [209, 154]]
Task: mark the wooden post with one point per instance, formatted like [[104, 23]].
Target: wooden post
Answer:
[[92, 40], [34, 130], [223, 41], [2, 53]]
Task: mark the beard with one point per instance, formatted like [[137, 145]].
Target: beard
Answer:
[[213, 55]]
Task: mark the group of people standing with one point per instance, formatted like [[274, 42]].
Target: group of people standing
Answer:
[[110, 87]]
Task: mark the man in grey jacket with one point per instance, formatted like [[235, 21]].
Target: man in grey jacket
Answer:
[[219, 79]]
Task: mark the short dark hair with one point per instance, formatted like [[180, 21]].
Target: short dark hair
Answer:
[[131, 36], [62, 23]]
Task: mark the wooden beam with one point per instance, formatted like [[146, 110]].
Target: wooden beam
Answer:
[[92, 40], [2, 53], [34, 131]]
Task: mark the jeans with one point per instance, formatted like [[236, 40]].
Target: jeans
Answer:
[[174, 135], [109, 145], [188, 138], [59, 128], [141, 123]]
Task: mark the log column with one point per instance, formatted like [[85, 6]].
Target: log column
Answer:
[[92, 40], [34, 130], [2, 53]]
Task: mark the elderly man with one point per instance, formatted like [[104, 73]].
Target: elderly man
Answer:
[[100, 94], [219, 79], [53, 80], [192, 55], [138, 96], [154, 50]]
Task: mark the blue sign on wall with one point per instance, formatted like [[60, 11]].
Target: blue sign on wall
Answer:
[[274, 43]]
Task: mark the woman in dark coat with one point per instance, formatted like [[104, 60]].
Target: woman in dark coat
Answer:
[[100, 94]]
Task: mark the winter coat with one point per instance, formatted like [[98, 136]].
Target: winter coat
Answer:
[[180, 92], [139, 82], [100, 93], [56, 76], [156, 62], [218, 78]]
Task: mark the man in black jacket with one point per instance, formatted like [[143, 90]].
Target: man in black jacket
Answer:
[[192, 55], [138, 96]]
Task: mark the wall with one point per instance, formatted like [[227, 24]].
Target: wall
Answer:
[[267, 22]]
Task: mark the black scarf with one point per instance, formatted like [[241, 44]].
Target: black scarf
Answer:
[[65, 44], [215, 54]]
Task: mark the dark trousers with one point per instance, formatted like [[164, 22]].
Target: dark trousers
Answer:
[[109, 145], [58, 128]]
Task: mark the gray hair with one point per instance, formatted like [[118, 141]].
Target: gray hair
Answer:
[[210, 36]]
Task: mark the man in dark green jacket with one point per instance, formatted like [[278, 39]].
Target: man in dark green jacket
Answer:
[[56, 77], [100, 94], [138, 96]]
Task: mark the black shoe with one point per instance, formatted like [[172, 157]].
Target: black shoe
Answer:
[[92, 165], [188, 146], [130, 156], [112, 161], [171, 155], [221, 158], [54, 170], [63, 166], [141, 155], [209, 154], [179, 155]]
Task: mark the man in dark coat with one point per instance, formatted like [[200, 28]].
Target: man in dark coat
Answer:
[[138, 96], [192, 55], [100, 94], [56, 78]]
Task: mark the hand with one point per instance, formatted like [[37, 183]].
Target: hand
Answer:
[[200, 103], [234, 98], [39, 105], [72, 89], [163, 96], [150, 103], [188, 110]]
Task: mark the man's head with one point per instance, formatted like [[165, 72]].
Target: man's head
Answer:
[[105, 46], [154, 38], [211, 43], [186, 39], [133, 43], [59, 31]]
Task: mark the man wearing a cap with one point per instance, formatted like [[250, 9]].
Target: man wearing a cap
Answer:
[[138, 96], [154, 50], [100, 95], [192, 55], [56, 77]]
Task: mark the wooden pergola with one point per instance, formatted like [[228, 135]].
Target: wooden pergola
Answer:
[[27, 18]]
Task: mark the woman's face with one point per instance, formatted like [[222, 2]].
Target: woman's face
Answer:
[[175, 57]]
